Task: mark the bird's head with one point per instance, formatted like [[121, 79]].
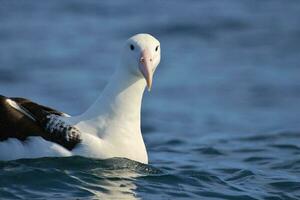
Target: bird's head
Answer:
[[141, 55]]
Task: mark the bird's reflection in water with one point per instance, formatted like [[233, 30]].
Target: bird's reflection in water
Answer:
[[118, 184], [110, 179]]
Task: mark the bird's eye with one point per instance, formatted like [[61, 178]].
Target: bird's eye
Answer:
[[131, 47], [156, 48]]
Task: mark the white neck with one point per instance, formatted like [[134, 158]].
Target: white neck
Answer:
[[111, 126], [116, 113]]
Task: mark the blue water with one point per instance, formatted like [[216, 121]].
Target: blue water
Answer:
[[221, 122]]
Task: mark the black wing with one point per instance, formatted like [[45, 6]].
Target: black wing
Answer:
[[23, 118]]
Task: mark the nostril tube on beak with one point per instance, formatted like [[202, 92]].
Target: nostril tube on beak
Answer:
[[146, 67], [142, 60]]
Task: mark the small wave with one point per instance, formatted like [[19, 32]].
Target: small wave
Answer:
[[286, 146], [241, 175], [80, 163], [209, 151], [286, 186], [270, 136]]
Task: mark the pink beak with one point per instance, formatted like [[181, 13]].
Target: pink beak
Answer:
[[146, 66]]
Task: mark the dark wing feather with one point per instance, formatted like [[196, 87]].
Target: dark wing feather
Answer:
[[14, 124], [35, 108], [47, 123]]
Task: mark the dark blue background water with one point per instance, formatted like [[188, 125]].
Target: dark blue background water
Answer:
[[222, 120]]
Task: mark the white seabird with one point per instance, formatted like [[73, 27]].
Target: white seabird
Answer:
[[111, 127]]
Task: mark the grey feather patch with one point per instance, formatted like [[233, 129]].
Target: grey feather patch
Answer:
[[59, 128]]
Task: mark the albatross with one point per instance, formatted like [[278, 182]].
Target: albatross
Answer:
[[111, 127]]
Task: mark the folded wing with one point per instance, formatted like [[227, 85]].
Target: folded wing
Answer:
[[21, 118]]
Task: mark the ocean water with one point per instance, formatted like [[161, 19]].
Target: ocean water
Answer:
[[221, 122]]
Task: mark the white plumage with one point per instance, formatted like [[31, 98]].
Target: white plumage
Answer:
[[111, 126]]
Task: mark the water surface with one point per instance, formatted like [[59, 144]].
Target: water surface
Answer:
[[221, 122]]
